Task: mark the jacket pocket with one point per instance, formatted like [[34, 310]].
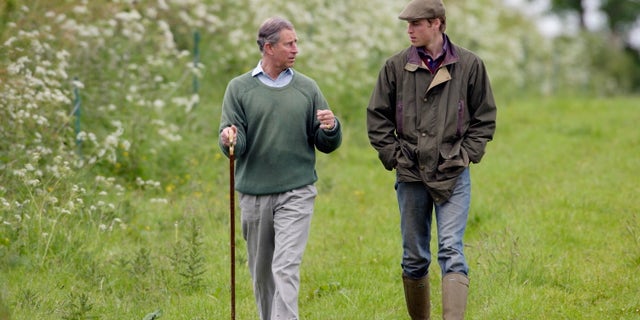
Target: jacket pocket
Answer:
[[389, 156], [407, 156], [453, 159]]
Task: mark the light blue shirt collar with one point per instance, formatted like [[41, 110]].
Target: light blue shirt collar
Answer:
[[283, 78]]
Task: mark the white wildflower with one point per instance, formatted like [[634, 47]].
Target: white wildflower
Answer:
[[9, 41], [159, 104], [128, 16], [40, 120], [184, 53], [80, 10], [162, 5], [81, 136], [78, 84], [153, 184], [125, 144], [62, 54], [111, 140]]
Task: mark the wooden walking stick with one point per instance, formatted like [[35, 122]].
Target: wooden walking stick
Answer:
[[232, 220]]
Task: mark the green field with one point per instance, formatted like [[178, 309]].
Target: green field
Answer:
[[554, 230], [554, 233]]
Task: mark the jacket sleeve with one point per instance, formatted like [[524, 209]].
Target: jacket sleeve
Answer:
[[482, 111], [381, 122]]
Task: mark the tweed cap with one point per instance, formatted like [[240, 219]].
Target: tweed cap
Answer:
[[422, 9]]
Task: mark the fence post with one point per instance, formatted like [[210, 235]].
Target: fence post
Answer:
[[76, 112], [196, 60]]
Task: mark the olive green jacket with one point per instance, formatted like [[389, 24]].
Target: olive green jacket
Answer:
[[429, 127]]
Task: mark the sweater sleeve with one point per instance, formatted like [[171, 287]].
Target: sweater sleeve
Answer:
[[232, 114], [325, 141]]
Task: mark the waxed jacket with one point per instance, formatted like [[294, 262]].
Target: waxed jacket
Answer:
[[429, 127]]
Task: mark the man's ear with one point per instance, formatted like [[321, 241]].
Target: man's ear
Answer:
[[268, 48]]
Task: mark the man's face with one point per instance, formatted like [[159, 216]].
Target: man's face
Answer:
[[285, 51], [422, 32]]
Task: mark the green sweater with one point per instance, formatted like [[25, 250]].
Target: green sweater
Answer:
[[278, 133]]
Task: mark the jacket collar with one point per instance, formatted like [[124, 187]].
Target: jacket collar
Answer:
[[414, 62]]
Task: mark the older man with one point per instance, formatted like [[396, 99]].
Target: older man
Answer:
[[276, 118]]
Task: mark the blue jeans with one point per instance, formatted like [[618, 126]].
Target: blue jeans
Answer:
[[416, 208]]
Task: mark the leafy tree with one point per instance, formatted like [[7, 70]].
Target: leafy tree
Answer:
[[621, 16], [621, 13], [570, 6]]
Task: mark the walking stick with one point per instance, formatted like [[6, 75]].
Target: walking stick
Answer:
[[232, 219]]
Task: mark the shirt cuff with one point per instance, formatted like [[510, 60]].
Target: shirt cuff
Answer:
[[335, 127]]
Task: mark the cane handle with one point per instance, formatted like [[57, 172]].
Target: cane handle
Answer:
[[232, 141]]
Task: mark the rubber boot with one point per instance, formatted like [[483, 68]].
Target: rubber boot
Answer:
[[455, 287], [416, 294]]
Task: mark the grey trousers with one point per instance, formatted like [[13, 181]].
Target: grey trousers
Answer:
[[276, 229]]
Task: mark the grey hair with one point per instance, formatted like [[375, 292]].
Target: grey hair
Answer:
[[269, 31]]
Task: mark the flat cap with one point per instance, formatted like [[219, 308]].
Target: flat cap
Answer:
[[422, 9]]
